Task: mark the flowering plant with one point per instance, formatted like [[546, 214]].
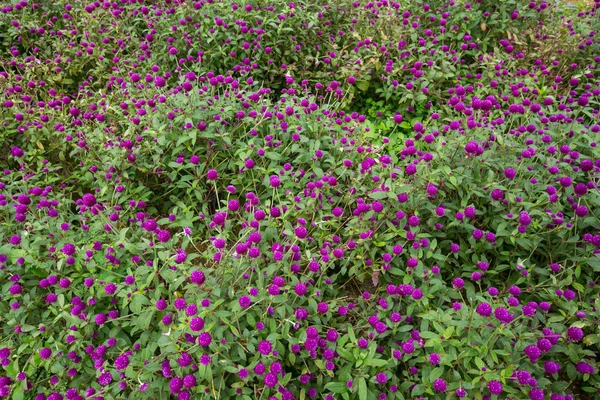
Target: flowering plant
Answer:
[[194, 204]]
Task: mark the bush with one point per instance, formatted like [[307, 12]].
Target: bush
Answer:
[[191, 226]]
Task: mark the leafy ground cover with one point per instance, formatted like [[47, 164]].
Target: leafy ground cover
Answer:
[[291, 200]]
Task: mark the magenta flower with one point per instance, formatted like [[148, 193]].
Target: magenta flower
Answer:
[[265, 347], [439, 385], [495, 387], [575, 334], [274, 181], [212, 175]]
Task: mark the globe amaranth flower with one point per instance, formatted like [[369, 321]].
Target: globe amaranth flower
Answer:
[[45, 353], [197, 277], [265, 347], [270, 380], [494, 387], [575, 334], [212, 174], [189, 381], [584, 368], [176, 384], [533, 353], [439, 385], [121, 362], [163, 236], [536, 394], [458, 283], [551, 367], [434, 359], [381, 378], [204, 339], [484, 309], [196, 324], [245, 301], [105, 379], [243, 373], [523, 377]]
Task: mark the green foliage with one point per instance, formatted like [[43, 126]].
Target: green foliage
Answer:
[[290, 200]]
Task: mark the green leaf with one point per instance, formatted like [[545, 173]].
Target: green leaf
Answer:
[[362, 389], [18, 394], [378, 195], [376, 362], [436, 373], [336, 387], [362, 85]]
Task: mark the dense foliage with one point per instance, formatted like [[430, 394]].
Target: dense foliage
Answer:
[[289, 200]]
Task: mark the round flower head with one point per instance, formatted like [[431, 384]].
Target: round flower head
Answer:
[[484, 309], [434, 358], [45, 353], [204, 339], [551, 367], [536, 394], [533, 353], [265, 347], [381, 378], [584, 368], [274, 181], [212, 175], [575, 334], [88, 200], [196, 324], [494, 387], [439, 385]]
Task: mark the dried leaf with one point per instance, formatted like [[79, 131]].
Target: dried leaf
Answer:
[[375, 278]]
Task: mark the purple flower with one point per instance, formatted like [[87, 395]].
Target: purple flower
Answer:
[[197, 324], [121, 362], [176, 384], [45, 353], [197, 277], [270, 380], [16, 152], [300, 232], [15, 240], [245, 301], [189, 381], [204, 339], [265, 347], [575, 334], [584, 368], [105, 379], [536, 394], [551, 367], [274, 181], [510, 173], [440, 385], [381, 378], [212, 174], [533, 353], [163, 236], [88, 200], [494, 387], [484, 309], [497, 194], [338, 253]]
